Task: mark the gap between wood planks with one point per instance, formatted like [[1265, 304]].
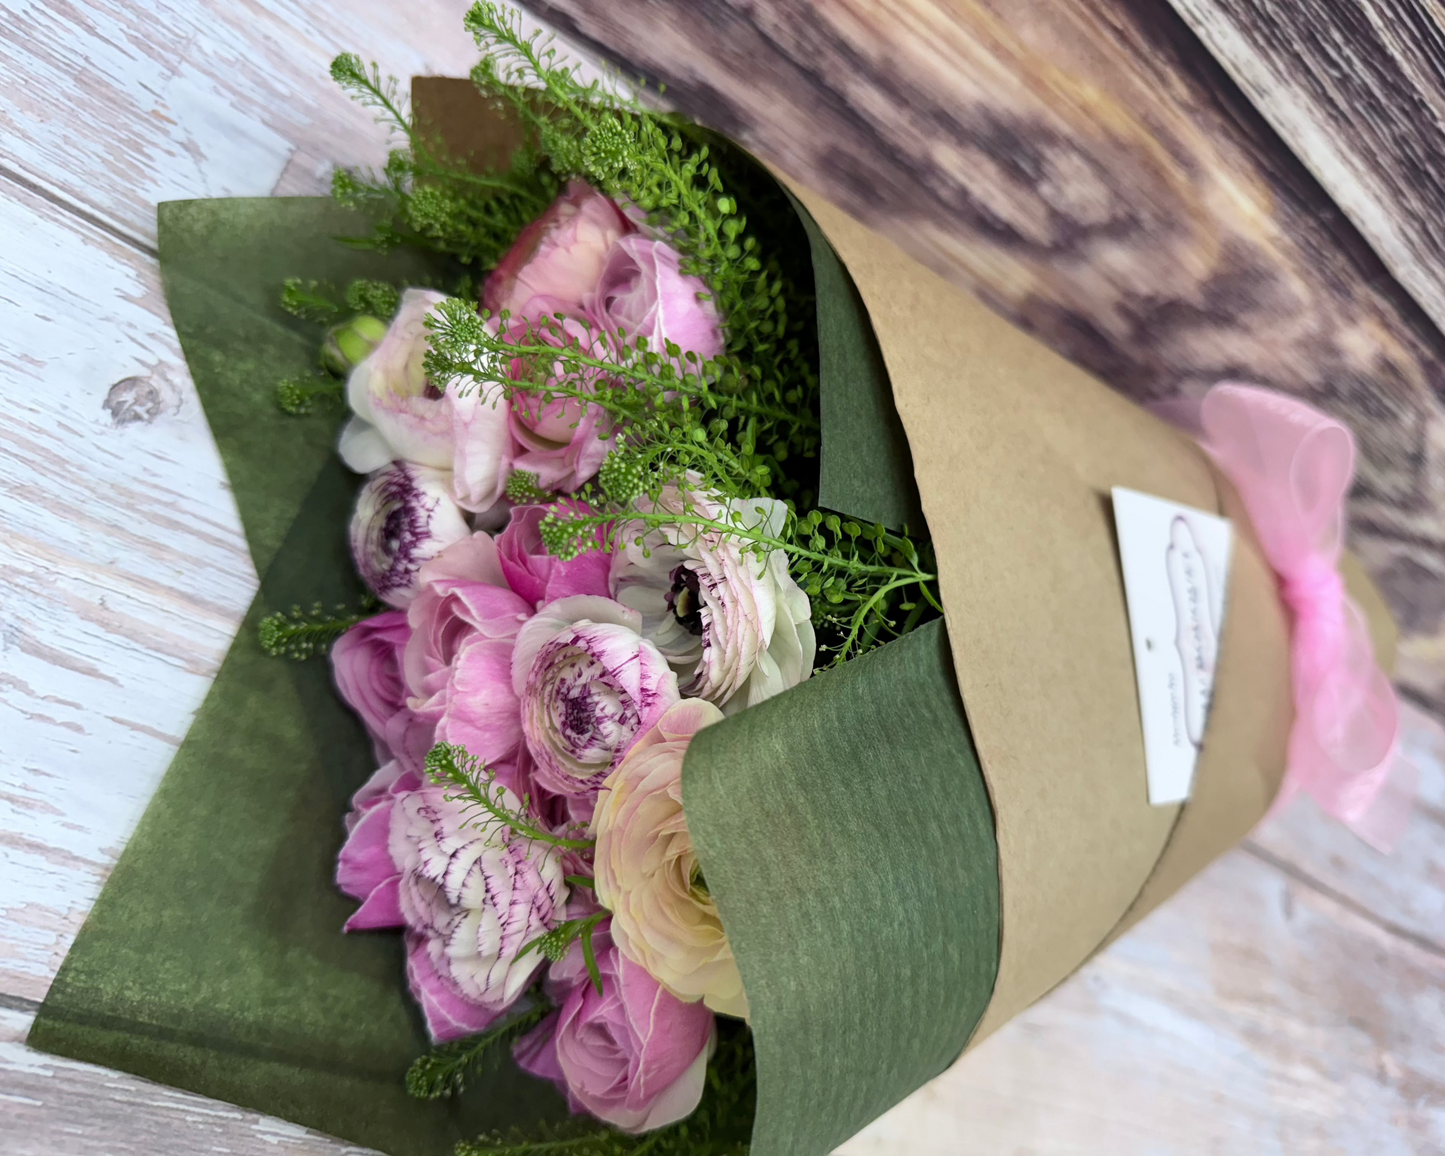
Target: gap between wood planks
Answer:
[[90, 216], [1304, 879]]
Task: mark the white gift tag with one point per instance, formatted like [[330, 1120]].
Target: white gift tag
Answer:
[[1176, 567]]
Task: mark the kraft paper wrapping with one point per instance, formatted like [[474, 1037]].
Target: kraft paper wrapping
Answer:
[[1015, 451]]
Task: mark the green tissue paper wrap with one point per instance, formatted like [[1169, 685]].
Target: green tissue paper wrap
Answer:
[[843, 826]]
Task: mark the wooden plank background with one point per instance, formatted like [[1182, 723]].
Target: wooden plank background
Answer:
[[1357, 87], [1288, 1001], [1087, 168]]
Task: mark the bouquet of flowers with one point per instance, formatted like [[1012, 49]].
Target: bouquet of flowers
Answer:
[[592, 503], [659, 474]]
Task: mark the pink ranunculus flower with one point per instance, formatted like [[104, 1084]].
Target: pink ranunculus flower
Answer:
[[541, 577], [733, 623], [399, 413], [563, 440], [588, 683], [644, 293], [469, 893], [559, 256], [366, 662], [634, 1056], [458, 662], [404, 516], [647, 872]]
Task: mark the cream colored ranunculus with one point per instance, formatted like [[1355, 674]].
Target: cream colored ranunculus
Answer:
[[647, 872]]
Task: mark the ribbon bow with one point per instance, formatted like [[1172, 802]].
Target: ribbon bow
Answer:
[[1293, 466]]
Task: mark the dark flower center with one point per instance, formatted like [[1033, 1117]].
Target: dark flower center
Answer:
[[684, 600], [578, 721], [396, 529]]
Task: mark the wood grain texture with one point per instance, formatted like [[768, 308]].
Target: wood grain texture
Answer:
[[125, 572], [1403, 892], [1087, 168], [1357, 88], [112, 107]]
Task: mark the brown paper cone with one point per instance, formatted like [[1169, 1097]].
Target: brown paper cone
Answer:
[[1015, 451]]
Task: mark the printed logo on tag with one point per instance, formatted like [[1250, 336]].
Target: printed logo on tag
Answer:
[[1176, 566]]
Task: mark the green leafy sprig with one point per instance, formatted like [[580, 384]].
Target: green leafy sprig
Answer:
[[661, 166], [430, 200], [379, 298], [555, 943], [859, 577], [301, 396], [444, 1071], [524, 489], [309, 300], [675, 414], [301, 634], [475, 785]]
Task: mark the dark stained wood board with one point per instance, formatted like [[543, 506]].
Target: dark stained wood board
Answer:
[[1357, 89]]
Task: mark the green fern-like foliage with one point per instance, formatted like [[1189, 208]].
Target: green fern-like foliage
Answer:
[[475, 785], [309, 300], [445, 1070], [523, 489], [301, 396], [430, 200], [377, 298], [301, 634]]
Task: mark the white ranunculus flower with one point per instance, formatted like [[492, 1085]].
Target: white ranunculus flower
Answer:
[[399, 413], [647, 871], [734, 625], [404, 516], [472, 895]]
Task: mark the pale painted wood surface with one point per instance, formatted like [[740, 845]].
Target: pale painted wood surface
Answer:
[[1290, 1000]]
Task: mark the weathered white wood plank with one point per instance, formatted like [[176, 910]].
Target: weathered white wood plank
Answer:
[[1357, 88], [1403, 891], [114, 106], [124, 572]]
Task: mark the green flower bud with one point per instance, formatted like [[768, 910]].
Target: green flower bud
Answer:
[[351, 342]]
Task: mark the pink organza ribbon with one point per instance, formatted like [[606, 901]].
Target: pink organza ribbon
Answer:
[[1292, 466]]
